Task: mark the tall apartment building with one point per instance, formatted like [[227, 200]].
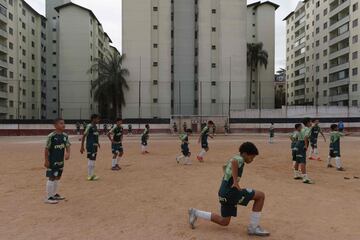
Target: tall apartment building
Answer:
[[188, 57], [322, 53], [22, 53]]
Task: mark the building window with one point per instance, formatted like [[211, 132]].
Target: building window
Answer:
[[33, 44], [213, 11], [213, 29], [54, 29], [155, 45], [355, 7], [11, 31], [155, 100], [54, 76], [355, 103], [155, 82], [155, 64], [354, 87], [213, 100], [213, 65], [213, 47], [11, 60], [155, 9], [11, 16], [33, 56], [23, 25], [325, 25], [354, 55], [355, 23], [54, 53], [11, 89], [325, 93], [23, 12], [11, 103], [11, 2], [213, 83], [354, 71], [54, 99], [155, 27], [355, 39]]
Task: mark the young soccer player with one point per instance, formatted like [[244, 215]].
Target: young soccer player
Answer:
[[144, 139], [115, 135], [271, 133], [91, 135], [294, 138], [129, 129], [185, 149], [301, 149], [175, 129], [315, 130], [335, 136], [231, 194], [57, 149], [203, 139]]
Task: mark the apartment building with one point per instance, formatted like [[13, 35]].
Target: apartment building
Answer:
[[81, 40], [188, 57], [322, 53], [22, 79]]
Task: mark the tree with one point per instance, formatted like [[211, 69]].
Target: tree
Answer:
[[256, 56], [110, 85]]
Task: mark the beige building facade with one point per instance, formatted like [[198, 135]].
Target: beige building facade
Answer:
[[189, 57], [322, 53]]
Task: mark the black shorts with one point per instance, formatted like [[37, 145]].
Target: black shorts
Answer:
[[301, 153], [185, 150], [293, 151], [334, 153], [52, 173], [92, 152], [204, 144], [117, 148], [233, 198], [313, 143]]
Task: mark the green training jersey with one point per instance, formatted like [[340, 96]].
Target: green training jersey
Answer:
[[304, 133], [294, 138], [228, 180], [117, 133], [205, 133], [92, 135], [335, 139], [184, 138], [56, 144], [145, 134]]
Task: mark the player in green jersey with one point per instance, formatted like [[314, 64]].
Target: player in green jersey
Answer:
[[294, 137], [301, 149], [335, 136], [57, 149], [91, 135], [203, 139], [116, 135], [144, 139], [315, 130], [231, 194], [185, 156], [271, 133]]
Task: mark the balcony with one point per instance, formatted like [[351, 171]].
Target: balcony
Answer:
[[338, 83], [299, 97], [339, 67], [3, 94], [338, 98], [339, 38], [339, 23], [300, 76], [338, 8], [299, 66], [3, 33], [3, 63], [339, 53], [3, 109], [300, 86], [3, 18]]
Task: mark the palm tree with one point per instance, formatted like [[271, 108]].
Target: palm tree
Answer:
[[256, 56], [110, 84]]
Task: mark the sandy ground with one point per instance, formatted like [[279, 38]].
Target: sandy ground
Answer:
[[149, 197]]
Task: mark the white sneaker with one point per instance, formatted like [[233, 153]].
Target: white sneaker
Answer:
[[51, 200], [192, 218], [257, 231], [297, 176], [308, 181]]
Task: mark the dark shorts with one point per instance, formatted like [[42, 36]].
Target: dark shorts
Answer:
[[117, 148], [52, 173], [334, 153], [301, 153], [144, 142], [92, 152], [294, 151], [313, 143], [204, 144], [185, 150], [232, 199]]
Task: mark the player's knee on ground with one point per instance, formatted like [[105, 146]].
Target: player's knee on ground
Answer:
[[225, 221]]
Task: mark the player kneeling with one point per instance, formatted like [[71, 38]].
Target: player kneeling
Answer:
[[231, 195]]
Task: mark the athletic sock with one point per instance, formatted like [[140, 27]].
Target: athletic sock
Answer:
[[329, 160], [50, 188], [56, 186], [143, 148], [255, 219], [338, 162], [117, 160], [202, 153], [305, 176], [203, 215], [187, 160], [91, 168], [180, 158], [113, 163]]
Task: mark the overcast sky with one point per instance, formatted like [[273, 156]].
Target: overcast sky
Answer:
[[109, 14]]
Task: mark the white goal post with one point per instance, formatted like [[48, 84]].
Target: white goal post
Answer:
[[195, 123]]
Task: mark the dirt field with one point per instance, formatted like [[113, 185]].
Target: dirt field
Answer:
[[149, 197]]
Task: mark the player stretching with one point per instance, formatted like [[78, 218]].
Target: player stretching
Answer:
[[231, 194], [92, 144], [144, 139], [315, 130], [294, 139], [185, 149], [203, 139], [56, 145], [301, 148], [117, 133], [335, 136]]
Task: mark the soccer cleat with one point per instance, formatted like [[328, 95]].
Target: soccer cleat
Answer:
[[257, 231], [341, 169], [308, 181], [114, 168], [94, 178], [297, 176], [319, 159], [330, 166], [51, 200], [118, 167], [177, 160], [192, 217], [200, 159], [58, 197], [311, 158], [146, 152]]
